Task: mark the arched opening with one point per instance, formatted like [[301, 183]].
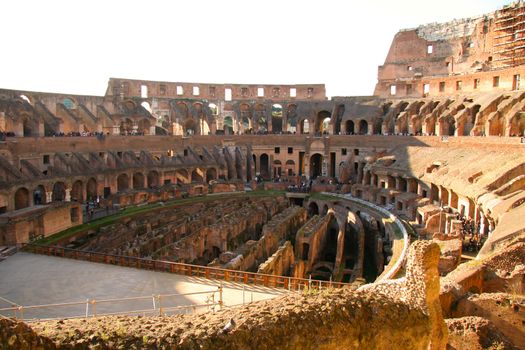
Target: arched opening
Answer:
[[447, 126], [290, 168], [122, 182], [305, 251], [264, 168], [363, 127], [262, 124], [91, 189], [277, 168], [304, 126], [516, 125], [245, 124], [196, 176], [30, 127], [59, 192], [69, 103], [325, 127], [228, 125], [21, 198], [39, 195], [321, 121], [277, 118], [143, 126], [316, 165], [153, 179], [189, 127], [444, 195], [454, 199], [434, 193], [313, 209], [138, 181], [260, 118], [211, 174], [324, 211], [182, 176], [291, 118], [126, 126], [330, 247], [213, 109], [77, 192], [349, 127]]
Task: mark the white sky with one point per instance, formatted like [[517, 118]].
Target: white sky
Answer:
[[76, 46]]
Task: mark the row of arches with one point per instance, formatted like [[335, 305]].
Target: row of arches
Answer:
[[90, 189]]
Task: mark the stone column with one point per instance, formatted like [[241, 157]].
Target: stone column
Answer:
[[68, 195], [49, 197]]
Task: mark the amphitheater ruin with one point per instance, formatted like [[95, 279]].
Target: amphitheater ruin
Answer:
[[395, 220]]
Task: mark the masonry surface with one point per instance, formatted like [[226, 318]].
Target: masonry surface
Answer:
[[399, 213]]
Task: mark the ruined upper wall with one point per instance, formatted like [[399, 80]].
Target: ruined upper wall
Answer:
[[147, 88], [423, 60]]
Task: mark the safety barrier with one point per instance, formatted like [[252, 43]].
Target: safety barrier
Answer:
[[213, 273], [154, 305]]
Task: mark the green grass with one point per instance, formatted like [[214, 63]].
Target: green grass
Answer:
[[133, 211]]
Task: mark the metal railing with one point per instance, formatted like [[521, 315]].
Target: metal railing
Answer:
[[153, 305], [212, 273]]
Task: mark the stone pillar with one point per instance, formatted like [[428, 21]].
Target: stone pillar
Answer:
[[68, 195], [49, 197], [360, 167], [340, 249]]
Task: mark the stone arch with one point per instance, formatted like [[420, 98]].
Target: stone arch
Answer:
[[77, 191], [516, 125], [59, 191], [182, 176], [182, 110], [126, 126], [447, 126], [260, 121], [21, 198], [322, 122], [211, 174], [277, 118], [316, 165], [290, 168], [196, 175], [30, 127], [143, 126], [189, 127], [228, 125], [138, 181], [324, 211], [264, 166], [313, 209], [291, 118], [39, 195], [304, 126], [454, 199], [122, 182], [153, 179], [363, 127], [349, 127], [91, 189]]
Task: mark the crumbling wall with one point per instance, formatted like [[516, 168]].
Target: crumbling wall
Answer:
[[280, 262]]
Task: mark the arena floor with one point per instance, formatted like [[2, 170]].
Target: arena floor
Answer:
[[31, 279]]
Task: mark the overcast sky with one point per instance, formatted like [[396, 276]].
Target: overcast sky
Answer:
[[76, 46]]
